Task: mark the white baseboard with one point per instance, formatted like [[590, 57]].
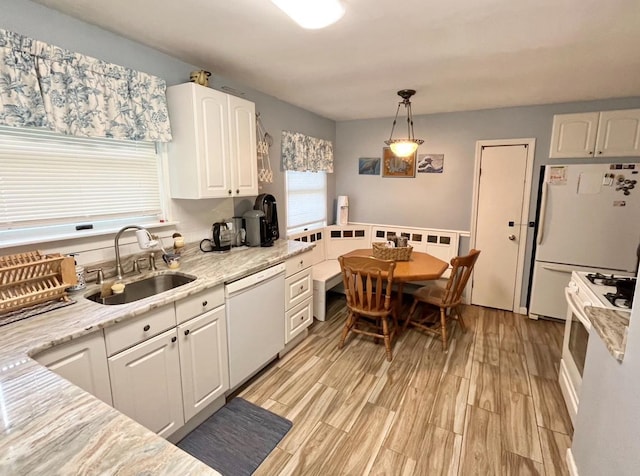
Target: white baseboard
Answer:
[[571, 463]]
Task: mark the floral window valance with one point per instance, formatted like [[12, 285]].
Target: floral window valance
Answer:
[[302, 153], [42, 85]]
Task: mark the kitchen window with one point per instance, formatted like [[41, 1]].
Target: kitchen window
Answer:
[[54, 186], [306, 200]]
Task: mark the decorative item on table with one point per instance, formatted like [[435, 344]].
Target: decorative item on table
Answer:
[[382, 250], [200, 77], [394, 166]]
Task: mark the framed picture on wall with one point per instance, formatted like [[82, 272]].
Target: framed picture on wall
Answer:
[[369, 166], [430, 163], [393, 166]]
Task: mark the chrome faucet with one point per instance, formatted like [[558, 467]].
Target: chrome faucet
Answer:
[[117, 246]]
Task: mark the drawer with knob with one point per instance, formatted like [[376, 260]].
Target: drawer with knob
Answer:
[[129, 333], [199, 303], [298, 319], [297, 263], [298, 288]]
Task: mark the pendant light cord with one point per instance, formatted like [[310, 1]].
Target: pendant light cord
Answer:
[[393, 126]]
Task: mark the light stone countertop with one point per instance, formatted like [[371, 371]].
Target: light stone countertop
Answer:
[[49, 426], [611, 326]]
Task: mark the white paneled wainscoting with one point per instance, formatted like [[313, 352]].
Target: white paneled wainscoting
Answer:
[[335, 240]]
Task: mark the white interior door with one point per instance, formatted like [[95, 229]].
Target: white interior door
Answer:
[[500, 227]]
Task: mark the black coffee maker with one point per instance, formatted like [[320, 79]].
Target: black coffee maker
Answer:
[[267, 204]]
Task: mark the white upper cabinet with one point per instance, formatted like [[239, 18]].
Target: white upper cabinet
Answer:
[[596, 134], [244, 170], [618, 133], [213, 151], [573, 135]]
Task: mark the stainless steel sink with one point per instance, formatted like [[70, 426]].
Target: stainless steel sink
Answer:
[[144, 288]]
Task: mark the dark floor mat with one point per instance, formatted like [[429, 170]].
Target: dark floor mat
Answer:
[[237, 438]]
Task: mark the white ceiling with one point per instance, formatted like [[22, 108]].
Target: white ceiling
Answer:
[[458, 54]]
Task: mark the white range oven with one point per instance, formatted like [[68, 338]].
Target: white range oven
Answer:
[[586, 289]]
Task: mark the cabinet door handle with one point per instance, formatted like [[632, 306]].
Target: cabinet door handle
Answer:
[[238, 191], [146, 328], [229, 192], [174, 338], [599, 152], [204, 303], [590, 152], [187, 332]]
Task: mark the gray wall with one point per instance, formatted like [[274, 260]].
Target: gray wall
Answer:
[[37, 21], [445, 200], [430, 200]]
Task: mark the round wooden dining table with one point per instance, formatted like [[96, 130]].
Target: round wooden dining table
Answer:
[[420, 267]]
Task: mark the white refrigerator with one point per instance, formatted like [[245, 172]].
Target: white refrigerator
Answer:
[[589, 220]]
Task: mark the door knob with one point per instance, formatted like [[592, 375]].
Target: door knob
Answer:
[[512, 237]]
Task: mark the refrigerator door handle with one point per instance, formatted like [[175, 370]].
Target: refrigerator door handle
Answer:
[[543, 212]]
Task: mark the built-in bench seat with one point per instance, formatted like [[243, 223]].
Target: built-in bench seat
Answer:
[[333, 241]]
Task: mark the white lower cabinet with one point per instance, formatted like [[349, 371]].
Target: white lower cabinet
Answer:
[[82, 362], [146, 384], [203, 360], [158, 373], [298, 319], [164, 381], [298, 301]]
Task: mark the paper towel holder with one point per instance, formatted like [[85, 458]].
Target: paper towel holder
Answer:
[[342, 210]]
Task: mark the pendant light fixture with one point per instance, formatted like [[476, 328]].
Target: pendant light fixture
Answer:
[[404, 147], [312, 14]]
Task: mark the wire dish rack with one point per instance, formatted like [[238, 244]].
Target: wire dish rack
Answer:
[[28, 279]]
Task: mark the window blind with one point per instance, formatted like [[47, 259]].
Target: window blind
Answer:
[[51, 179], [306, 200]]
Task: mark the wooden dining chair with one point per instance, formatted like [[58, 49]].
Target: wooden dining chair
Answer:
[[444, 299], [368, 283]]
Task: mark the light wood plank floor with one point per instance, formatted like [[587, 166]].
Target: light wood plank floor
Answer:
[[491, 406]]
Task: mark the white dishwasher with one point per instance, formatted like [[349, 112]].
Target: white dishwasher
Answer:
[[255, 322]]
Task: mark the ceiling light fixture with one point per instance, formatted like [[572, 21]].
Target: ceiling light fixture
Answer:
[[312, 14], [404, 147]]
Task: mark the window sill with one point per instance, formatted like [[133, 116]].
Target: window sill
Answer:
[[77, 235]]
